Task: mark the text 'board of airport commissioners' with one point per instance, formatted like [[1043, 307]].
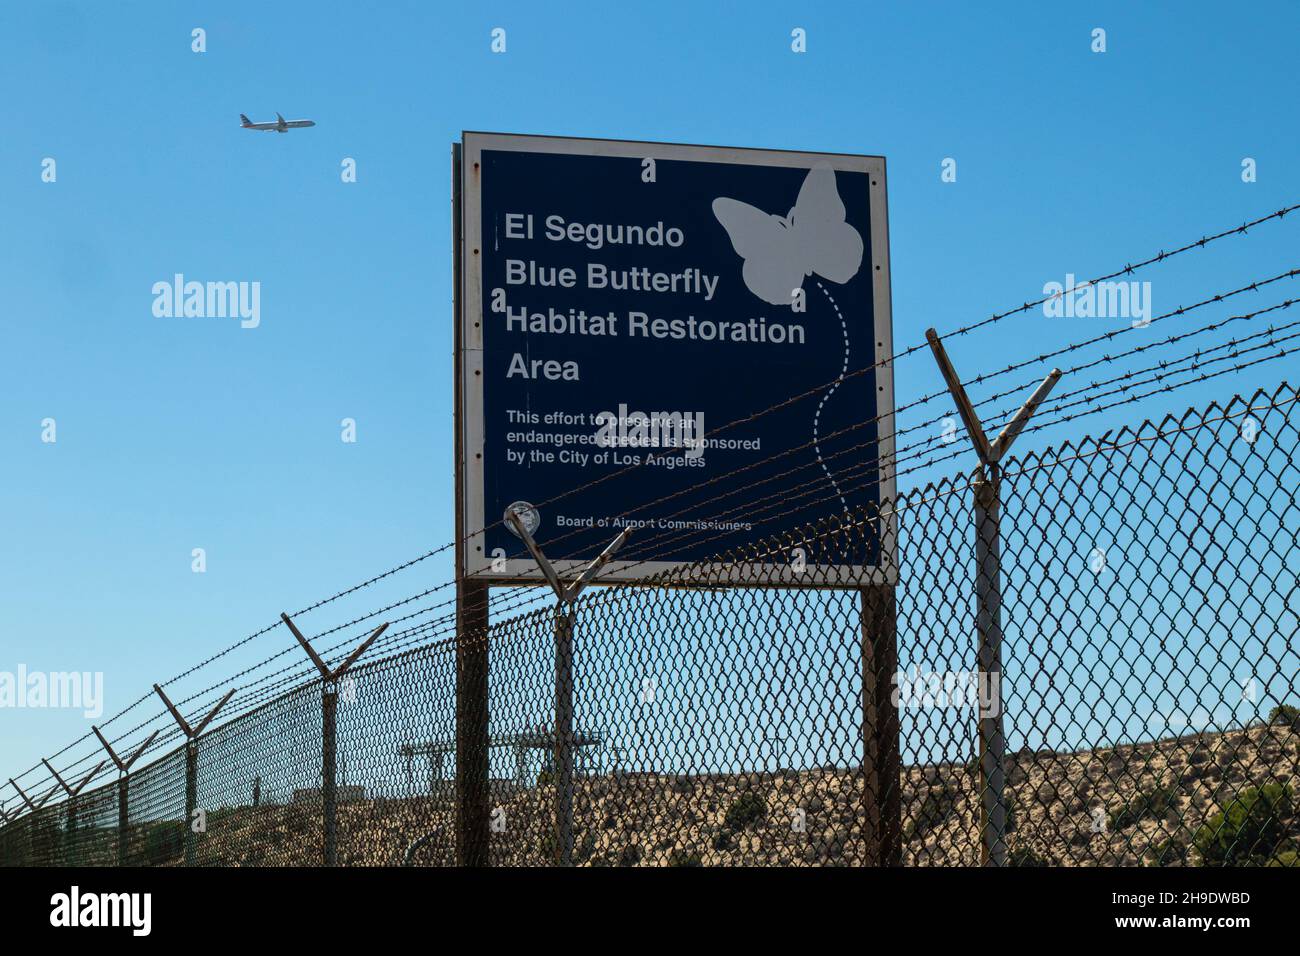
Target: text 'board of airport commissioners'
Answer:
[[634, 320]]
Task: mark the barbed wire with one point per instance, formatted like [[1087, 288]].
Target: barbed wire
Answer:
[[792, 493], [505, 605], [961, 331], [898, 454], [996, 317], [421, 632]]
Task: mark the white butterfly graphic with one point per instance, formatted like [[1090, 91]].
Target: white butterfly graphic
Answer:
[[780, 251]]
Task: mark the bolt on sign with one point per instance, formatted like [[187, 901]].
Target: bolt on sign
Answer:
[[633, 322]]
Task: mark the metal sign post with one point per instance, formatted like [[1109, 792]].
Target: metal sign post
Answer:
[[564, 621], [882, 758], [473, 783], [988, 593]]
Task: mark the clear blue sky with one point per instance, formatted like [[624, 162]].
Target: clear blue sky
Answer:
[[175, 434]]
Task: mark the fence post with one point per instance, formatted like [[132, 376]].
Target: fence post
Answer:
[[191, 767], [881, 755], [123, 822], [987, 509], [473, 788], [34, 807], [123, 769], [565, 741], [329, 732], [329, 768], [70, 818], [70, 855], [988, 604], [191, 799]]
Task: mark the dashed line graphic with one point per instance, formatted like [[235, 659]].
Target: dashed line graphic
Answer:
[[844, 327]]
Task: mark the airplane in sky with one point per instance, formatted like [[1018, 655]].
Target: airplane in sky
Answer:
[[280, 126]]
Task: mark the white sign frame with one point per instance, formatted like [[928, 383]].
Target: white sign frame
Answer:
[[523, 570]]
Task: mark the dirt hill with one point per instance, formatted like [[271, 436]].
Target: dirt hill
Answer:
[[1152, 804]]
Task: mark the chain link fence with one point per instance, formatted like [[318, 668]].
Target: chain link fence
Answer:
[[1147, 699]]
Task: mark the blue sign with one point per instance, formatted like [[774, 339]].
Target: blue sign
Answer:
[[685, 340]]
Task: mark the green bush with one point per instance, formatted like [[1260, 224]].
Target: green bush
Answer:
[[1149, 804], [1248, 829], [746, 809], [1286, 858], [1286, 715], [1168, 852], [684, 858]]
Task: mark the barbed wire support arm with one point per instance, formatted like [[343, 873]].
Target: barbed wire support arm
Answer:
[[33, 807], [191, 766], [329, 730], [988, 594], [564, 623]]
